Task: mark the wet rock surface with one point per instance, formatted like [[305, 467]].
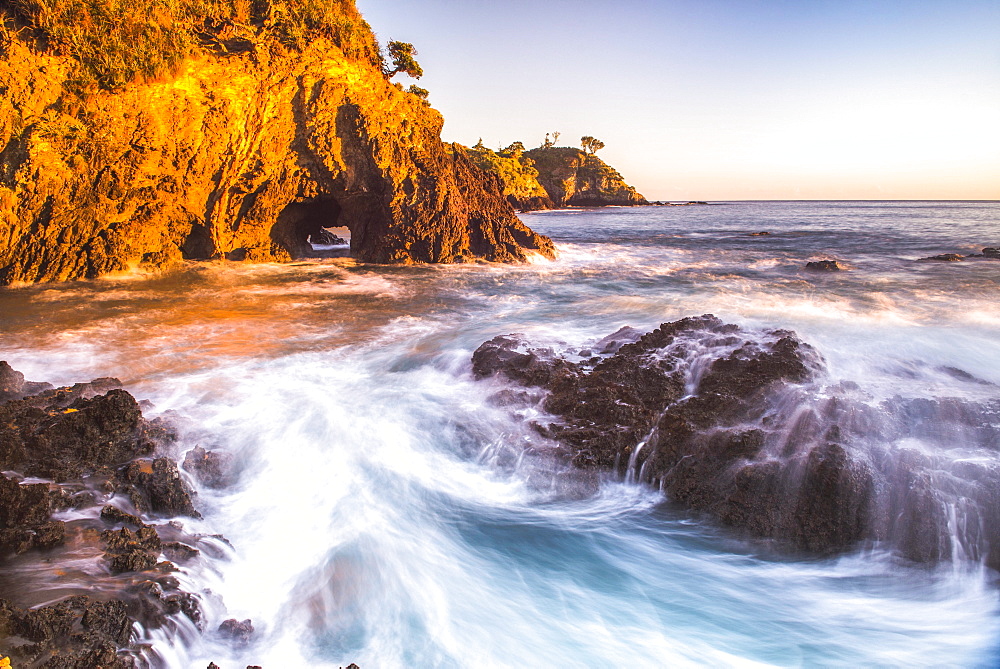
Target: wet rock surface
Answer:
[[737, 425], [944, 257], [239, 632], [213, 469], [76, 633], [92, 445], [824, 266]]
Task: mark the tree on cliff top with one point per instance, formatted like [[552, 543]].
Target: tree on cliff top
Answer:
[[402, 54], [591, 144]]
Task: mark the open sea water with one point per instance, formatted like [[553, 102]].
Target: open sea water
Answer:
[[386, 513]]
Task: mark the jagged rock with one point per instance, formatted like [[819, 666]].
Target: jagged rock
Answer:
[[212, 469], [732, 424], [571, 177], [239, 153], [326, 237], [11, 382], [24, 518], [131, 551], [113, 514], [824, 266], [156, 487], [989, 252], [945, 257], [239, 632], [14, 387], [50, 436], [77, 633]]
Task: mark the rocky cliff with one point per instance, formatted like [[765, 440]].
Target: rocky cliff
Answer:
[[239, 145], [572, 177]]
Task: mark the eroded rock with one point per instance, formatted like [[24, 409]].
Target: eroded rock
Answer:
[[736, 424]]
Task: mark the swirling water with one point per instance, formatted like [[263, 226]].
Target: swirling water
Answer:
[[386, 513]]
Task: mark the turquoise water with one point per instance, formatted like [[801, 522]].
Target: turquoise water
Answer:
[[387, 514]]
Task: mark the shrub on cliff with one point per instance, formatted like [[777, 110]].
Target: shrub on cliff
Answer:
[[120, 41]]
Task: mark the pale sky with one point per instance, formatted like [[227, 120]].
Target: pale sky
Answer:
[[726, 99]]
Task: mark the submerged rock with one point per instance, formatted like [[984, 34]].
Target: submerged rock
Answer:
[[824, 266], [737, 425], [239, 632], [945, 257], [213, 469]]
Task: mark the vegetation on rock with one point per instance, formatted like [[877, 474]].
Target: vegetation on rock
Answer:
[[591, 144], [402, 54], [551, 176], [117, 43], [517, 172], [571, 177]]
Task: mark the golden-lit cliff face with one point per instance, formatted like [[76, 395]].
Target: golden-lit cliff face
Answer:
[[237, 155]]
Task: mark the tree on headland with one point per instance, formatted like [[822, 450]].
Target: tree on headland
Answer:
[[555, 136], [548, 141], [591, 144], [514, 150], [402, 54], [421, 93]]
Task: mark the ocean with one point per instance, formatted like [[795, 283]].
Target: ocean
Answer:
[[386, 512]]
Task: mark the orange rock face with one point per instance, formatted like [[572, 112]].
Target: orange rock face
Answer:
[[238, 156]]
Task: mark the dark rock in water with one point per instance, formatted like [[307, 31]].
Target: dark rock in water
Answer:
[[132, 551], [824, 265], [989, 252], [156, 487], [945, 257], [763, 233], [113, 514], [11, 382], [237, 631], [14, 387], [327, 238], [734, 424], [212, 469], [72, 634], [60, 434], [25, 523], [70, 434]]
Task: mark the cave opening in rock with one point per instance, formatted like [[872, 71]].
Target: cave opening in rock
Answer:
[[312, 229]]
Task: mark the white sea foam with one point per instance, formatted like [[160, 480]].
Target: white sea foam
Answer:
[[386, 512]]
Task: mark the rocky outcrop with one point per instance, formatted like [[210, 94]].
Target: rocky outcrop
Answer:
[[93, 447], [78, 632], [572, 177], [241, 150], [736, 424]]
